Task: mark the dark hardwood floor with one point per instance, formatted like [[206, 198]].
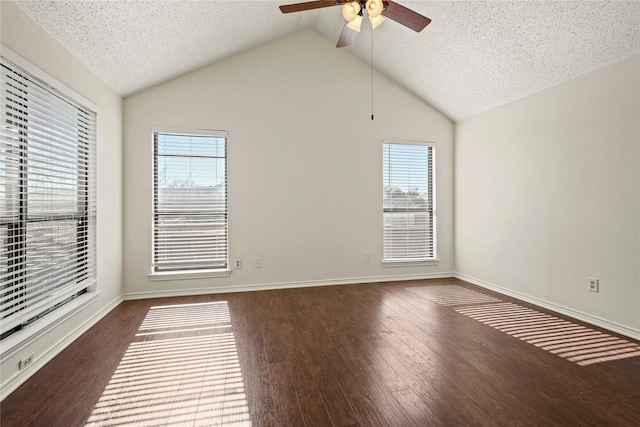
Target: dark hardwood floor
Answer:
[[355, 355]]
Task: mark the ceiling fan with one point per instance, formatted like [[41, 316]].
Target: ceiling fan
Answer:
[[353, 10]]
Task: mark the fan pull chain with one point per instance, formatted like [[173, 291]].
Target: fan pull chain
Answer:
[[372, 72]]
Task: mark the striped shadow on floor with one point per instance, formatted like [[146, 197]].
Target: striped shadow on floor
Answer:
[[449, 295], [573, 342]]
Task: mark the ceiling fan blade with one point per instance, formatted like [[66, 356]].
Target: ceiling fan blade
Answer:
[[405, 16], [299, 7], [346, 36]]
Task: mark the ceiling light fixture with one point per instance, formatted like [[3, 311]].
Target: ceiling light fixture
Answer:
[[351, 12], [374, 10], [355, 24], [376, 20]]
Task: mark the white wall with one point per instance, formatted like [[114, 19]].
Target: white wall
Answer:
[[548, 194], [23, 36], [304, 162]]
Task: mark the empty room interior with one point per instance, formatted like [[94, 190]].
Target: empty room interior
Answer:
[[328, 213]]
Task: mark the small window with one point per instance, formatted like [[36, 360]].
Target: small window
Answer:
[[189, 201], [47, 197], [408, 202]]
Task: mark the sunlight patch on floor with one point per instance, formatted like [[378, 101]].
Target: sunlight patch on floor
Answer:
[[183, 369]]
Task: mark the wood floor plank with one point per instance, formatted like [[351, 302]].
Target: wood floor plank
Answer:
[[252, 355], [337, 405], [285, 400]]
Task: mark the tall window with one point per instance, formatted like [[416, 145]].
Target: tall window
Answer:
[[408, 207], [47, 198], [189, 201]]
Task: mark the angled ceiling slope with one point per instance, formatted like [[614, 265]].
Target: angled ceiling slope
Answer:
[[474, 55]]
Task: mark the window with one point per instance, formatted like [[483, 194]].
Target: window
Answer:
[[47, 197], [189, 201], [408, 206]]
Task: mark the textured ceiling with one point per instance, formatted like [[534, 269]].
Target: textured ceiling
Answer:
[[474, 56]]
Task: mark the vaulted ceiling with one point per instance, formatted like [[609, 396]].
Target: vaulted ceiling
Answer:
[[474, 56]]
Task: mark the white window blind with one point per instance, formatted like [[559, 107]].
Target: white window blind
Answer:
[[408, 202], [190, 201], [47, 199]]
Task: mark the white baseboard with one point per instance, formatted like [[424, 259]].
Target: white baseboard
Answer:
[[283, 285], [20, 377], [576, 314]]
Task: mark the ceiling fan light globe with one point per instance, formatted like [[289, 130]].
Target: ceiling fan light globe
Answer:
[[374, 8], [376, 21], [355, 23], [351, 10]]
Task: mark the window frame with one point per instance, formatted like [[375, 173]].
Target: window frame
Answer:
[[405, 262], [85, 215], [161, 275]]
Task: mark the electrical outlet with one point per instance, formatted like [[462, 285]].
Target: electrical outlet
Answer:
[[25, 362], [594, 284], [237, 263], [367, 256]]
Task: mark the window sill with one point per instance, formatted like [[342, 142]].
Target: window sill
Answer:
[[188, 274], [18, 340], [409, 262]]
